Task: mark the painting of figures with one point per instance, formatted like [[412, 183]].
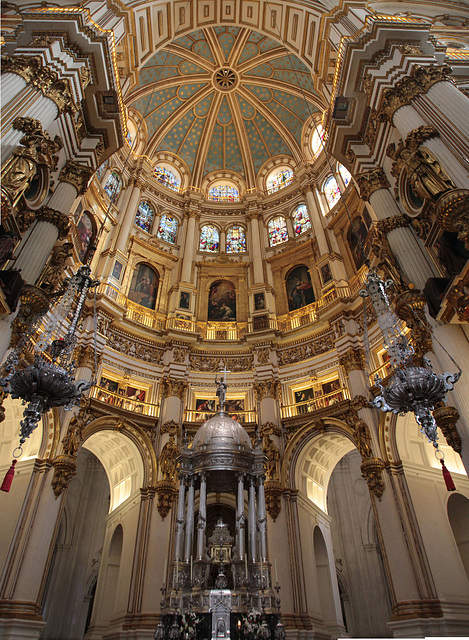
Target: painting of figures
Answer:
[[144, 286], [222, 302], [299, 288]]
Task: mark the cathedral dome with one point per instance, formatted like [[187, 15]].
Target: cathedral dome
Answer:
[[221, 433]]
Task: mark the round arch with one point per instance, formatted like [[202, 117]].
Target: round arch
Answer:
[[126, 454], [312, 455]]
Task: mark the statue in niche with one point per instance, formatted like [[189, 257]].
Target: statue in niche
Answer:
[[168, 459], [273, 456], [363, 439]]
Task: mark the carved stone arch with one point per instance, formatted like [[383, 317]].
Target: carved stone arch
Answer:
[[304, 436], [387, 438], [134, 433]]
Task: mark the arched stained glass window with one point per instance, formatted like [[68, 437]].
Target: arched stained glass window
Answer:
[[144, 217], [209, 238], [235, 239], [301, 219], [224, 193], [167, 178], [100, 171], [316, 139], [277, 231], [346, 175], [167, 228], [279, 180], [113, 185], [331, 191]]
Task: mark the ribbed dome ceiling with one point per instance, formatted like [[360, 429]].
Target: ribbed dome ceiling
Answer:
[[225, 98]]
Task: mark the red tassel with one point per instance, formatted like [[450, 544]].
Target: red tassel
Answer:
[[8, 479], [447, 476]]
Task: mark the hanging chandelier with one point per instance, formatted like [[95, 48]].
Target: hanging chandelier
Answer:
[[411, 387], [50, 380]]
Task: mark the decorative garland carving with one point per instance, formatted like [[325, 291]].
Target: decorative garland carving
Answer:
[[371, 181], [166, 491], [267, 389], [446, 418], [273, 498], [37, 150], [452, 213], [269, 427], [393, 222], [57, 218], [45, 79], [34, 302], [314, 347], [352, 360], [77, 175], [419, 81], [172, 387], [214, 363]]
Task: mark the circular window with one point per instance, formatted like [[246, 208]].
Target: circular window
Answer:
[[225, 79]]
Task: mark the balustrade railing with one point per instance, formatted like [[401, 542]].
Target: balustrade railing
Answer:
[[124, 402], [318, 402], [192, 415]]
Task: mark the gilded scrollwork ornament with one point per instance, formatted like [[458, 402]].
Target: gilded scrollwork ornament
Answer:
[[372, 472], [65, 467], [166, 491], [446, 418], [410, 307], [273, 498], [53, 274], [393, 222]]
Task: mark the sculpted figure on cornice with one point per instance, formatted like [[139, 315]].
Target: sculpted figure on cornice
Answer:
[[419, 81], [425, 174], [142, 351], [37, 150], [387, 263]]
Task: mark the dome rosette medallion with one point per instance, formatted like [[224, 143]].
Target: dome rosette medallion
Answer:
[[225, 99]]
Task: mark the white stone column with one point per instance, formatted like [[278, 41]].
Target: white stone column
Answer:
[[129, 217], [255, 248], [316, 221], [189, 248], [35, 249], [240, 525], [252, 521], [451, 102], [189, 521], [262, 521], [202, 520], [180, 518]]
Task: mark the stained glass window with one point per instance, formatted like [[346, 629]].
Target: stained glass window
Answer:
[[316, 139], [346, 175], [235, 240], [100, 171], [167, 228], [331, 191], [144, 217], [301, 220], [209, 238], [113, 185], [224, 193], [277, 231], [279, 180], [167, 178]]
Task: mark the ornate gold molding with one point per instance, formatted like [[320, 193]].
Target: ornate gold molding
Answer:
[[73, 438], [273, 498], [452, 213], [393, 222], [85, 356], [371, 181], [57, 218], [166, 491], [353, 360], [372, 472], [173, 387], [170, 427], [77, 175], [65, 467], [419, 81], [53, 273], [267, 389], [34, 303], [446, 418], [45, 79]]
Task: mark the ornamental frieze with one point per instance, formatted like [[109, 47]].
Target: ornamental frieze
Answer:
[[393, 222], [213, 364], [322, 344], [130, 346]]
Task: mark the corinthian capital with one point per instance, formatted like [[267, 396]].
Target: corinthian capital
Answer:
[[76, 174], [371, 181]]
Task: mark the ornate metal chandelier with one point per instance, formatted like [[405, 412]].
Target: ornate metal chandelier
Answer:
[[410, 386], [50, 380]]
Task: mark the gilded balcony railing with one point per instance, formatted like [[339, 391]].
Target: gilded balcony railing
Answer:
[[192, 415], [124, 402], [318, 402]]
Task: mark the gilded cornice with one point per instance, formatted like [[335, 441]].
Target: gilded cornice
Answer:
[[43, 78]]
